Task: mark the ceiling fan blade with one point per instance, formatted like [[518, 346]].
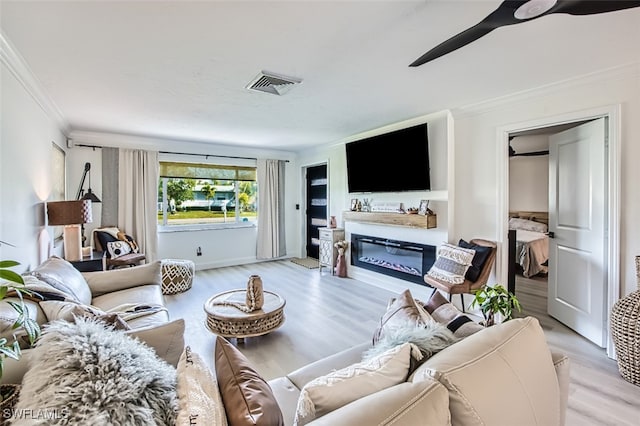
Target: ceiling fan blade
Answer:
[[506, 13], [456, 42], [593, 7], [500, 17]]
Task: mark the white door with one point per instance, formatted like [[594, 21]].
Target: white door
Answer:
[[577, 219]]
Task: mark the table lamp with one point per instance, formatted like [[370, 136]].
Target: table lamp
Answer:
[[70, 214]]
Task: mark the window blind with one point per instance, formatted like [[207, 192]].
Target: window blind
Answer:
[[206, 171]]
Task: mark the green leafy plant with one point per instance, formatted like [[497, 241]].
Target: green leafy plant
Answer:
[[12, 283], [494, 300]]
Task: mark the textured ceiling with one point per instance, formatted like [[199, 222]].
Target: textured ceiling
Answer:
[[178, 69]]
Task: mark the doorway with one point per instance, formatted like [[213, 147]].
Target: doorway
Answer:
[[610, 236], [316, 207]]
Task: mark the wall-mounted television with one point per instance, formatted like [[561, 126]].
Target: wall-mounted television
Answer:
[[391, 162]]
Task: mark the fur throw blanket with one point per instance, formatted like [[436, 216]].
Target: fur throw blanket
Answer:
[[430, 338], [85, 374]]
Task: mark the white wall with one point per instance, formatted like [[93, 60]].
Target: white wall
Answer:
[[477, 162], [25, 172], [529, 176]]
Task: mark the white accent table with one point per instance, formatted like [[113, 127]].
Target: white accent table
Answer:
[[328, 252]]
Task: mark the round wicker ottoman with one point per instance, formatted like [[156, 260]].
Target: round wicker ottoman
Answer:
[[177, 275], [229, 321], [625, 330]]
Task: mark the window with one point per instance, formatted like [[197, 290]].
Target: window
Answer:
[[206, 195]]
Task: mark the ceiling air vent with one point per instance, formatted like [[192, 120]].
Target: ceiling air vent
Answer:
[[275, 84]]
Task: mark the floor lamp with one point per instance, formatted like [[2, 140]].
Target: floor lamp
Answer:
[[70, 214]]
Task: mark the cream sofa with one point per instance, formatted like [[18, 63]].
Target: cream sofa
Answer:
[[502, 375], [136, 289]]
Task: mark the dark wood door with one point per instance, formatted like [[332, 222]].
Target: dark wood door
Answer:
[[316, 209]]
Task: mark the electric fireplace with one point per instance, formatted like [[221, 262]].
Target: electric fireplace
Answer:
[[400, 259]]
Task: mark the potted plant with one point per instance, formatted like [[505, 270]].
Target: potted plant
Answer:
[[13, 282], [495, 300]]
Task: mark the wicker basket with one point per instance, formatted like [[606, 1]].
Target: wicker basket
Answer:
[[625, 329]]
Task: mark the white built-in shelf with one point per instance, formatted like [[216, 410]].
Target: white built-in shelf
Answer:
[[393, 219]]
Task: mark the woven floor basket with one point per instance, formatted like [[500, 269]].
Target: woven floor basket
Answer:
[[625, 328]]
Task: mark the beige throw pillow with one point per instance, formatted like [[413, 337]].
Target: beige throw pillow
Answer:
[[327, 393], [451, 264], [402, 311], [199, 400]]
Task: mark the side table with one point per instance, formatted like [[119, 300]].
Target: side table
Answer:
[[96, 261], [229, 321], [328, 252]]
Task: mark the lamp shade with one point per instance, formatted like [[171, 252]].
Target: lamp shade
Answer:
[[91, 197], [69, 212]]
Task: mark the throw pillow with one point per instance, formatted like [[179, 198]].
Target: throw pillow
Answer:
[[248, 399], [401, 311], [338, 388], [62, 276], [199, 399], [69, 311], [118, 248], [451, 264], [446, 313], [166, 339], [93, 375], [479, 259]]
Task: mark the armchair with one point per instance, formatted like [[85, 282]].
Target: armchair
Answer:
[[120, 248], [467, 286]]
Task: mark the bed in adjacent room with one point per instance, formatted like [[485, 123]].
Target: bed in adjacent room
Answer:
[[532, 242]]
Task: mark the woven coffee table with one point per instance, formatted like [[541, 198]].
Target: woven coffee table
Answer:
[[229, 321]]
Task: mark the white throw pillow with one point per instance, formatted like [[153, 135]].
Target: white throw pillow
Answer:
[[118, 248], [452, 263], [338, 388], [199, 400]]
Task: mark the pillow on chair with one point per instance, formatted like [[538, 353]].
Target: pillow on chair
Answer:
[[118, 248], [451, 264], [479, 259]]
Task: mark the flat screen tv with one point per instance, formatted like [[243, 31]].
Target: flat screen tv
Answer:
[[391, 162]]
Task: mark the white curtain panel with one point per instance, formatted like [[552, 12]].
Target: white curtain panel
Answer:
[[271, 236], [138, 197]]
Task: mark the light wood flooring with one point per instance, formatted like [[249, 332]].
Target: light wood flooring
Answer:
[[326, 314]]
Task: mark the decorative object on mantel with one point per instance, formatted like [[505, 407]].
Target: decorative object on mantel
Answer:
[[424, 206], [366, 205], [625, 329], [412, 210], [387, 207], [341, 265], [354, 204]]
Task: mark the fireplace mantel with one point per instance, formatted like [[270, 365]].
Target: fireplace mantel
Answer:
[[394, 219]]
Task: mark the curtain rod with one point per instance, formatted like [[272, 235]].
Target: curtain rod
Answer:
[[184, 153], [211, 155]]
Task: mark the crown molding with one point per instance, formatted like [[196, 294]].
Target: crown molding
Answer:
[[620, 72], [15, 63]]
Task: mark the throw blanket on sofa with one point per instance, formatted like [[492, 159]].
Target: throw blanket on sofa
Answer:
[[130, 311]]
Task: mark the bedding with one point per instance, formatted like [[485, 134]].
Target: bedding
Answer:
[[532, 252]]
